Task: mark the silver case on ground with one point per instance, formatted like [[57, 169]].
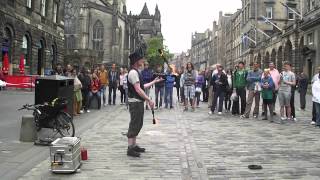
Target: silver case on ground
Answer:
[[65, 155]]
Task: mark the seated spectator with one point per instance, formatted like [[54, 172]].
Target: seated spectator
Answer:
[[95, 90]]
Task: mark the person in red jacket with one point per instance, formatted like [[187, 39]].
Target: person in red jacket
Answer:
[[95, 90]]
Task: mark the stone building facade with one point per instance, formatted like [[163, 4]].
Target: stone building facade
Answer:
[[101, 31], [201, 45], [33, 30], [310, 36], [180, 60]]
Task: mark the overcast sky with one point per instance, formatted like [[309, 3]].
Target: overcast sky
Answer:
[[182, 17]]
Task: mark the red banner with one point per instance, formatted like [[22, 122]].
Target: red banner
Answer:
[[20, 81]]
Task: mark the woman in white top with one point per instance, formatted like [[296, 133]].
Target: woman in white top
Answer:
[[316, 98], [121, 88]]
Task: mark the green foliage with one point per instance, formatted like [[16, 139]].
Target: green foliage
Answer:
[[152, 54]]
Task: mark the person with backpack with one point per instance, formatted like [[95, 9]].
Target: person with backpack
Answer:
[[240, 83]]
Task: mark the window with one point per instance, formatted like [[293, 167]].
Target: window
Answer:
[[29, 3], [26, 49], [43, 8], [70, 42], [98, 36], [269, 13], [55, 12], [310, 39], [291, 15], [10, 2]]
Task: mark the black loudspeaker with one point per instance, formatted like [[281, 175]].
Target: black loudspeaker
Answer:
[[50, 87]]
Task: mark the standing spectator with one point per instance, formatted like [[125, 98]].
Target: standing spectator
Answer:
[[121, 88], [69, 71], [220, 84], [86, 85], [253, 82], [205, 87], [189, 86], [177, 84], [314, 78], [95, 90], [276, 80], [316, 98], [293, 109], [267, 86], [182, 86], [210, 94], [147, 76], [159, 88], [287, 81], [227, 102], [58, 70], [303, 82], [103, 76], [113, 84], [169, 83], [200, 81], [125, 85], [240, 82], [77, 93]]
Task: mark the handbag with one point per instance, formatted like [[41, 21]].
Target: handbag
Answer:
[[198, 89], [234, 97], [257, 87]]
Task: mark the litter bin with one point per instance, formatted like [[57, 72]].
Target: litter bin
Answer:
[[50, 87]]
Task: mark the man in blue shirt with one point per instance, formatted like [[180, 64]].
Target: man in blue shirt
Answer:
[[147, 76]]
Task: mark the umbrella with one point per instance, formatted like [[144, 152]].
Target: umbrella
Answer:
[[5, 65], [21, 65]]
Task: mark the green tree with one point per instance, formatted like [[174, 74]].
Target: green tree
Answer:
[[153, 56]]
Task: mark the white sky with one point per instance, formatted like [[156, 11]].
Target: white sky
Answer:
[[182, 17]]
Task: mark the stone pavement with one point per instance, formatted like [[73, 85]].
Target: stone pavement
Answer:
[[194, 145]]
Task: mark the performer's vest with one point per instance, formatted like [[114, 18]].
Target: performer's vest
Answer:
[[131, 91]]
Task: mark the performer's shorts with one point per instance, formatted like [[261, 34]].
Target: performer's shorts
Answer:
[[136, 110]]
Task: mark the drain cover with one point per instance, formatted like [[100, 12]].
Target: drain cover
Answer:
[[255, 167]]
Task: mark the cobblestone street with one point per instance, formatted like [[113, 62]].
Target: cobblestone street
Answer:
[[196, 146]]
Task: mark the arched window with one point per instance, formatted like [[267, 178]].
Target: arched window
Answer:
[[26, 49], [7, 42], [53, 53], [70, 42], [98, 36]]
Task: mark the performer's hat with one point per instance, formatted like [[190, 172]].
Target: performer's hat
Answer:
[[136, 56]]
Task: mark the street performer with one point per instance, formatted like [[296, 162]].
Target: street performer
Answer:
[[136, 98]]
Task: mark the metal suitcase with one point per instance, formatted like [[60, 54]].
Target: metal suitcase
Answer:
[[65, 155]]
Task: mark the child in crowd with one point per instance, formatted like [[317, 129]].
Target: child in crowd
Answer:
[[169, 84], [267, 86]]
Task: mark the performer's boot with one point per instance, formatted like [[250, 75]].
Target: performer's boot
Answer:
[[131, 152]]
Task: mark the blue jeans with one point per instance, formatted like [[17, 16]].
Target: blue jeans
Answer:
[[317, 107], [157, 91], [97, 95], [168, 96], [103, 93]]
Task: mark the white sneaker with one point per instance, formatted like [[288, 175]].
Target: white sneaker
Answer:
[[313, 123], [219, 113], [210, 112], [81, 112], [295, 119], [88, 111], [283, 118]]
